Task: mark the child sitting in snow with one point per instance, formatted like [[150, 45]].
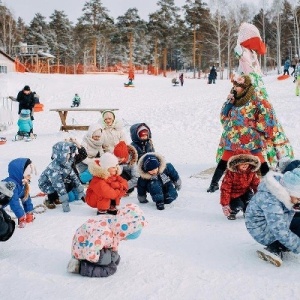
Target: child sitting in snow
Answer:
[[158, 178], [59, 178], [7, 225], [107, 187], [95, 243], [19, 172], [25, 123], [239, 183], [141, 139], [127, 157], [76, 101], [270, 217]]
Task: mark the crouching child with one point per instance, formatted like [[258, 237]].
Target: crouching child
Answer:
[[239, 184], [158, 178], [270, 217], [95, 243], [59, 178], [107, 187]]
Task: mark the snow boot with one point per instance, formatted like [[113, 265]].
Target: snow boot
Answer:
[[272, 254], [160, 205], [214, 186]]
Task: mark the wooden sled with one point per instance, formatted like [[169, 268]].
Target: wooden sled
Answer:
[[283, 77]]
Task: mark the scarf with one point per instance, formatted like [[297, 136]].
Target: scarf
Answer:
[[93, 147], [244, 97]]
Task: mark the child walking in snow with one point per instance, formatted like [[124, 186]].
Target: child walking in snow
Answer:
[[158, 178], [141, 139], [239, 183], [127, 157], [19, 172], [95, 243], [59, 178], [107, 187], [270, 217]]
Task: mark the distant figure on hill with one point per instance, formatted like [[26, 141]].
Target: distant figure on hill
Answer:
[[76, 101]]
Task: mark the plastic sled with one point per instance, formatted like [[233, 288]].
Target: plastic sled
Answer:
[[2, 140], [283, 77], [22, 135], [38, 107]]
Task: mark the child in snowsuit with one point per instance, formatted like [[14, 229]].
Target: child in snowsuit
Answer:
[[7, 225], [25, 123], [158, 178], [141, 139], [270, 215], [19, 172], [127, 157], [59, 178], [95, 243], [239, 183], [107, 187], [76, 101]]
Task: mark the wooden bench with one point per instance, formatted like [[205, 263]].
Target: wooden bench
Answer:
[[63, 112]]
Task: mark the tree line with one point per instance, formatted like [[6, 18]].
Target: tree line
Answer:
[[194, 36]]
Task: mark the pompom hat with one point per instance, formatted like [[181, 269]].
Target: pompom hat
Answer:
[[150, 162], [291, 181], [108, 160], [121, 150]]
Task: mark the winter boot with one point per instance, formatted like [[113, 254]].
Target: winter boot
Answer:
[[30, 217], [49, 204], [272, 254], [101, 212], [214, 186], [160, 205]]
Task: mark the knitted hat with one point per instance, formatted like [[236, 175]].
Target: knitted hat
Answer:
[[7, 188], [26, 88], [25, 113], [121, 150], [291, 181], [143, 132], [283, 163], [108, 160], [150, 163]]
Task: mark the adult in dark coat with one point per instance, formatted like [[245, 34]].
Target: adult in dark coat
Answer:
[[212, 75], [26, 99]]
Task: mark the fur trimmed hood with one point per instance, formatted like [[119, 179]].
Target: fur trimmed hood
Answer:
[[161, 168], [243, 158], [133, 155], [272, 181], [96, 170]]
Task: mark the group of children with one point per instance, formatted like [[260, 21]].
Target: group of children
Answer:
[[111, 169]]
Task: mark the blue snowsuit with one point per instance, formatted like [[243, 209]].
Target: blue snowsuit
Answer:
[[16, 170], [269, 214], [162, 187]]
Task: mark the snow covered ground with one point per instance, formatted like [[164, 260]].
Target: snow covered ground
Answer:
[[189, 250]]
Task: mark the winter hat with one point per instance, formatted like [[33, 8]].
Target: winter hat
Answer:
[[108, 160], [25, 113], [283, 163], [108, 114], [7, 188], [150, 162], [291, 180], [26, 88], [97, 132], [121, 150]]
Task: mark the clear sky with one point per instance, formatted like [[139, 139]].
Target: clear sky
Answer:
[[73, 8]]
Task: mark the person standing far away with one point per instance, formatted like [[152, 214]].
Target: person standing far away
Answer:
[[286, 66], [295, 60], [212, 75], [181, 79]]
